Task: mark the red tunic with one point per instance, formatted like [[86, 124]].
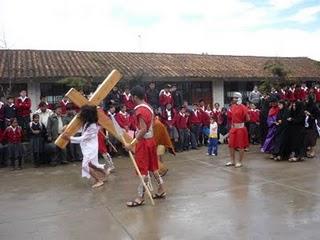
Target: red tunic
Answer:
[[165, 98], [238, 136], [13, 135], [23, 107], [146, 149], [127, 100]]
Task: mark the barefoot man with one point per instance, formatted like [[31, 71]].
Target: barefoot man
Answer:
[[238, 135], [145, 147]]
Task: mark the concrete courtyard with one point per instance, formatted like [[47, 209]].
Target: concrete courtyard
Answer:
[[262, 200]]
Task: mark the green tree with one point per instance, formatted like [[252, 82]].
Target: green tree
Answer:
[[279, 76], [78, 83]]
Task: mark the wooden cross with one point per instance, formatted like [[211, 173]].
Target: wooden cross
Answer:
[[96, 98]]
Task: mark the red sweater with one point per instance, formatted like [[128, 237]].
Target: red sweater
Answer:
[[165, 98], [254, 115], [195, 117], [205, 118], [63, 106], [169, 121], [290, 95], [127, 100], [13, 135], [23, 107], [182, 121], [123, 120], [317, 94]]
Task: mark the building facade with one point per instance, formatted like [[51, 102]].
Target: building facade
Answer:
[[209, 77]]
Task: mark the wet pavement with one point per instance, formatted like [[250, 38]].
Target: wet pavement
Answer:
[[262, 200]]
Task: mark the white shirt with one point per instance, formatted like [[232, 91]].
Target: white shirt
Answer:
[[44, 116]]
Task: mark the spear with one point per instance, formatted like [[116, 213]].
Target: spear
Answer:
[[119, 132]]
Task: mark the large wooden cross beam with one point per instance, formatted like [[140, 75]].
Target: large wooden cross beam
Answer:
[[97, 97]]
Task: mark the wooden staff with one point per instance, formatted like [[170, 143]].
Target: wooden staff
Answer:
[[138, 171]]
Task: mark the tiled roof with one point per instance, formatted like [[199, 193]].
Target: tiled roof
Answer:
[[30, 64]]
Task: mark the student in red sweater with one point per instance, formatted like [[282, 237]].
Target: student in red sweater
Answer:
[[127, 99], [165, 97], [182, 119], [168, 117], [63, 105], [254, 123], [13, 135], [23, 108], [291, 93], [195, 126], [45, 100], [317, 93], [123, 118]]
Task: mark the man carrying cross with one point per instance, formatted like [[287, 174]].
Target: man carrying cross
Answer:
[[145, 147]]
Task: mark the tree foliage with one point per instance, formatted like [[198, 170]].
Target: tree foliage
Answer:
[[279, 76], [78, 83]]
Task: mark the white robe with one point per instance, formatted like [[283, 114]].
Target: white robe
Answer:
[[89, 146]]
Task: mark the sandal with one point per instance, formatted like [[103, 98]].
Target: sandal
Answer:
[[229, 164], [135, 203], [159, 196], [98, 184]]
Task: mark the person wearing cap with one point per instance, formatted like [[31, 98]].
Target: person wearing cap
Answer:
[[165, 97], [238, 135]]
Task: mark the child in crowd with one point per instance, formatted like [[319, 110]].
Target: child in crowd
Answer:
[[37, 135], [9, 110], [23, 106], [213, 138], [13, 135], [254, 123]]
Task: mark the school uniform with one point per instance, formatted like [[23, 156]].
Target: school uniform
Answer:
[[15, 149], [9, 112], [254, 122], [184, 132], [3, 162], [23, 107], [2, 116], [37, 141]]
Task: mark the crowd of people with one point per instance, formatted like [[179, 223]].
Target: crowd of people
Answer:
[[283, 121]]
